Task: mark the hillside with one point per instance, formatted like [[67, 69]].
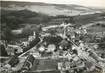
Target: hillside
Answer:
[[49, 9], [14, 20]]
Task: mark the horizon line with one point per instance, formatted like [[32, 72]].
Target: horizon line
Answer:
[[52, 3]]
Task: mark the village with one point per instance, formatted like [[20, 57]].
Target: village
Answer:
[[62, 48]]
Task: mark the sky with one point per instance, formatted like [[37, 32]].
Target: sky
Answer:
[[88, 3]]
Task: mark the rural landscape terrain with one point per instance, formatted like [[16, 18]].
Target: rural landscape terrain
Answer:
[[17, 15]]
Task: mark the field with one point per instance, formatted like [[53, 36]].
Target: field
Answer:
[[27, 21]]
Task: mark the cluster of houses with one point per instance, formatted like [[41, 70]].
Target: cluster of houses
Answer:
[[73, 54]]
